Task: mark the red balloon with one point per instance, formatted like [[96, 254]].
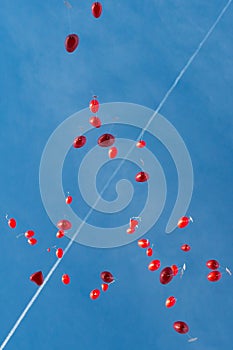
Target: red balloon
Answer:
[[183, 222], [174, 270], [143, 243], [170, 301], [94, 106], [79, 141], [133, 223], [104, 287], [69, 199], [130, 230], [142, 177], [29, 234], [141, 144], [65, 279], [106, 140], [60, 234], [59, 253], [149, 252], [185, 248], [154, 265], [32, 241], [112, 153], [214, 276], [96, 9], [95, 121], [181, 327], [212, 264], [95, 293], [166, 275], [64, 225], [71, 42], [106, 276], [12, 223], [37, 277]]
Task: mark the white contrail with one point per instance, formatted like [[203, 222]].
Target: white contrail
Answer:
[[35, 296], [194, 55]]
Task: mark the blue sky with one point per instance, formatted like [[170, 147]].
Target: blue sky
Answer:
[[131, 54]]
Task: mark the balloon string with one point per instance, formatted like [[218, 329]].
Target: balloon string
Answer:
[[20, 235], [54, 267], [68, 6], [69, 19]]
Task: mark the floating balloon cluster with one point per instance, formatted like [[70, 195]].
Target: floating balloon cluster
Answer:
[[107, 278], [167, 273], [28, 234], [166, 276], [215, 275], [107, 140], [72, 40]]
